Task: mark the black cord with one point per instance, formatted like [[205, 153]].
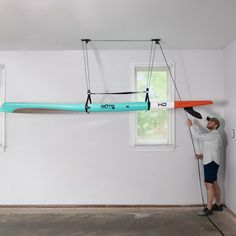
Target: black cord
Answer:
[[192, 141], [152, 63], [150, 68], [168, 67], [149, 64], [154, 42], [86, 64]]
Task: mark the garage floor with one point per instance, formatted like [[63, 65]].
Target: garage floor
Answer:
[[112, 221]]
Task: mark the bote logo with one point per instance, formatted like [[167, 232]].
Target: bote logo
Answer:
[[108, 106]]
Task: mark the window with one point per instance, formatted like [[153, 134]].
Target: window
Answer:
[[155, 128]]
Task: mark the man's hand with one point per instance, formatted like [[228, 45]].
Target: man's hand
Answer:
[[189, 122], [199, 156]]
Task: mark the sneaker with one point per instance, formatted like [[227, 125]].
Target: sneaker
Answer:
[[205, 212], [216, 207]]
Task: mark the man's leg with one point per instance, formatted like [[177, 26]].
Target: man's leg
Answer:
[[210, 194], [216, 189], [209, 180]]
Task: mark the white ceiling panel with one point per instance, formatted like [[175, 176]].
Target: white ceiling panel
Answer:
[[60, 24]]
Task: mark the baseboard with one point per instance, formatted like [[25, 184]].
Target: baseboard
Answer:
[[98, 206]]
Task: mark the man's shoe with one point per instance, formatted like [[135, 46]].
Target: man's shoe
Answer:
[[205, 212], [216, 207]]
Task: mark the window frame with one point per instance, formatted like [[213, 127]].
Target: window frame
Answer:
[[172, 139]]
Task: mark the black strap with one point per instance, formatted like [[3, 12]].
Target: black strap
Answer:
[[130, 92], [147, 99], [88, 101]]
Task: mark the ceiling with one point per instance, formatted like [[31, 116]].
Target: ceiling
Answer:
[[60, 24]]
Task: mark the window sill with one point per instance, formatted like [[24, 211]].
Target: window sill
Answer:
[[154, 147]]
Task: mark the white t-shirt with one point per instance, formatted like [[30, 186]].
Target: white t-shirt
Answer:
[[211, 144]]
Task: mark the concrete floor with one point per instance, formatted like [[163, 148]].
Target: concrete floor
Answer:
[[112, 221]]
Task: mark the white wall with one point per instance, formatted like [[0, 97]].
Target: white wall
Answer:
[[230, 117], [87, 158]]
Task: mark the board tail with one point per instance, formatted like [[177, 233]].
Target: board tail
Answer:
[[183, 104]]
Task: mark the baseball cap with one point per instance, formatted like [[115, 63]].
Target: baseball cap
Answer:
[[214, 119]]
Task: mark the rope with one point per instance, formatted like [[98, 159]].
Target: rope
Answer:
[[87, 75], [149, 63], [172, 77], [192, 141], [150, 69], [86, 64], [178, 93], [152, 63]]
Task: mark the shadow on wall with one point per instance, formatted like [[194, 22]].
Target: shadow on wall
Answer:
[[222, 169]]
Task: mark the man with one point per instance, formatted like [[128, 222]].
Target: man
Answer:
[[211, 159]]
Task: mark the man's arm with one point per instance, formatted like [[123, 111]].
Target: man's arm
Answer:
[[196, 132]]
